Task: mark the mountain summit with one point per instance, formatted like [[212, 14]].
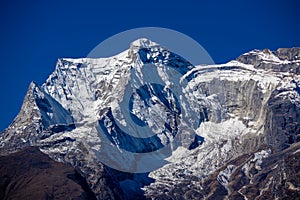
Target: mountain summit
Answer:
[[146, 123]]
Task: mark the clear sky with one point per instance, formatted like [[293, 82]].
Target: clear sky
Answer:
[[34, 34]]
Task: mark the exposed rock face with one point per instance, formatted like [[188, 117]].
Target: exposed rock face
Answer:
[[261, 175], [266, 102], [224, 124], [282, 127], [282, 120], [282, 60]]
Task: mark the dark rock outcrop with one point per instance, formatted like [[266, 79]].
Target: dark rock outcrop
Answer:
[[30, 174]]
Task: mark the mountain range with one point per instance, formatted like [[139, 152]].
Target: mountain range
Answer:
[[148, 124]]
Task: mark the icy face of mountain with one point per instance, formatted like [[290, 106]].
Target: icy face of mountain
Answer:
[[39, 112], [151, 109], [134, 100], [120, 107]]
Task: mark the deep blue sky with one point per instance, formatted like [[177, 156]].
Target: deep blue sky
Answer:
[[35, 34]]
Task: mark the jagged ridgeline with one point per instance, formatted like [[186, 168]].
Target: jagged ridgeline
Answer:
[[146, 123]]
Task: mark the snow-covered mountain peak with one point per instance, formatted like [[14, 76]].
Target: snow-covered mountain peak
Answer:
[[135, 94], [143, 43], [129, 107], [88, 86]]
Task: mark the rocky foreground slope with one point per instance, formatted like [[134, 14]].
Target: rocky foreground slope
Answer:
[[148, 124], [30, 174]]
